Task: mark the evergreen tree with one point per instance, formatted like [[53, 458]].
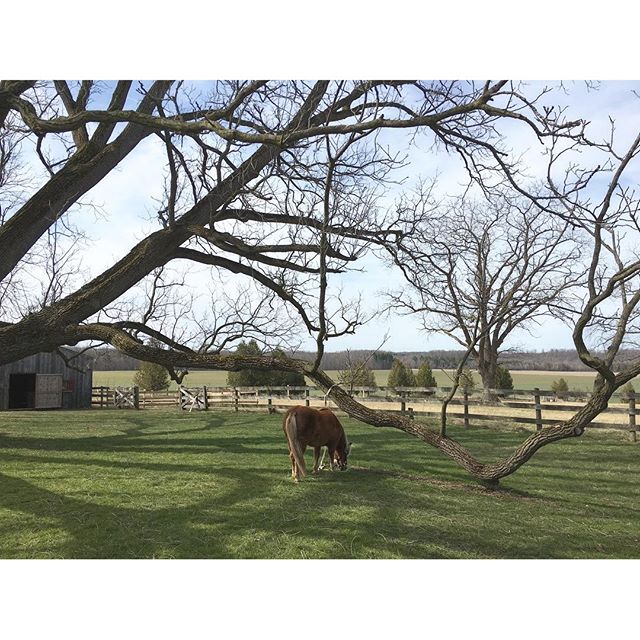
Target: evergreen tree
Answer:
[[401, 376], [503, 378], [424, 377], [151, 377], [262, 378], [285, 378]]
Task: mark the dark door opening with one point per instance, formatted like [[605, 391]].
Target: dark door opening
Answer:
[[22, 391]]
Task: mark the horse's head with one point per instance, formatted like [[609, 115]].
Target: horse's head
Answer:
[[341, 456]]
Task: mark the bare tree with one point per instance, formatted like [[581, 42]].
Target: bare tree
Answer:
[[477, 271], [272, 183]]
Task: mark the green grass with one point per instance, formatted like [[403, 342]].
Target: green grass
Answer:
[[165, 484], [521, 379]]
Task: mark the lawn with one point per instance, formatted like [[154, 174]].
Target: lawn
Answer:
[[577, 381], [165, 484]]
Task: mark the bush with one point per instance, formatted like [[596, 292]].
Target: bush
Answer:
[[401, 376], [260, 378], [424, 377], [560, 388], [466, 381], [358, 375], [151, 377], [503, 378], [628, 391]]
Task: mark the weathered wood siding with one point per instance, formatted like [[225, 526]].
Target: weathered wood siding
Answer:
[[76, 386]]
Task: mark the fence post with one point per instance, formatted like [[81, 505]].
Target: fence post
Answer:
[[136, 397], [410, 411], [632, 417], [270, 404], [466, 408], [403, 406], [306, 397], [236, 398], [538, 407], [206, 397]]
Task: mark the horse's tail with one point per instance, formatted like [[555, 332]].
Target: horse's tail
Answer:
[[290, 428]]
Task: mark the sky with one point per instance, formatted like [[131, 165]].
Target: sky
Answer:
[[488, 40], [127, 199]]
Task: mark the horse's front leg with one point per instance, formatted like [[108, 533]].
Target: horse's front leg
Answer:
[[331, 457]]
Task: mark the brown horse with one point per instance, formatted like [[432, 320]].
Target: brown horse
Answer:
[[305, 426]]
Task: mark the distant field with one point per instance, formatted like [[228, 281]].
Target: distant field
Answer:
[[577, 380]]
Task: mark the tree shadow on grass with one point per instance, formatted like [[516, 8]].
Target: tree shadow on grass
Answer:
[[106, 531], [246, 506], [352, 514]]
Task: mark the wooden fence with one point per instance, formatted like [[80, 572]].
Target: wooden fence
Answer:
[[509, 406]]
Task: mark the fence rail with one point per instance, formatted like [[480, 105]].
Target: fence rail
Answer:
[[509, 405]]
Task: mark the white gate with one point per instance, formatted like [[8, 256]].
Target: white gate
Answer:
[[191, 399], [125, 398]]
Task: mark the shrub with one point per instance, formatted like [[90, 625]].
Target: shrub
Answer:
[[151, 377], [358, 374], [466, 381], [560, 388], [628, 391]]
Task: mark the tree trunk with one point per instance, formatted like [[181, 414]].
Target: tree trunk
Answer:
[[487, 367]]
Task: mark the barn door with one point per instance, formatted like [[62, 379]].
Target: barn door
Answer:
[[48, 391]]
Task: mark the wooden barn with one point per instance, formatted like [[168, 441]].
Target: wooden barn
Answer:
[[45, 381]]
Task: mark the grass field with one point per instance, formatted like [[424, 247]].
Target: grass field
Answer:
[[165, 484], [577, 381]]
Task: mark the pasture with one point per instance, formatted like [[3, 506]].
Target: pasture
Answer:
[[577, 380], [166, 484]]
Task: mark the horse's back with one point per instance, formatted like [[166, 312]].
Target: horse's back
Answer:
[[316, 427]]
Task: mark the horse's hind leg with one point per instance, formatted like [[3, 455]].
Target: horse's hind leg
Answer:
[[293, 466], [316, 459], [298, 474]]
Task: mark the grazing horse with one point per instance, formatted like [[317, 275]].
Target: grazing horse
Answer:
[[305, 426]]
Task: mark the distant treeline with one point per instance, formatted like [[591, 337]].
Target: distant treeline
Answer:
[[108, 359]]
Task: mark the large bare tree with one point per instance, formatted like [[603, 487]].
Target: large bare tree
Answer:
[[270, 183], [478, 271]]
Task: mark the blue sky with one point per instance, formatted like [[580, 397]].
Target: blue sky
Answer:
[[127, 196], [613, 98]]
